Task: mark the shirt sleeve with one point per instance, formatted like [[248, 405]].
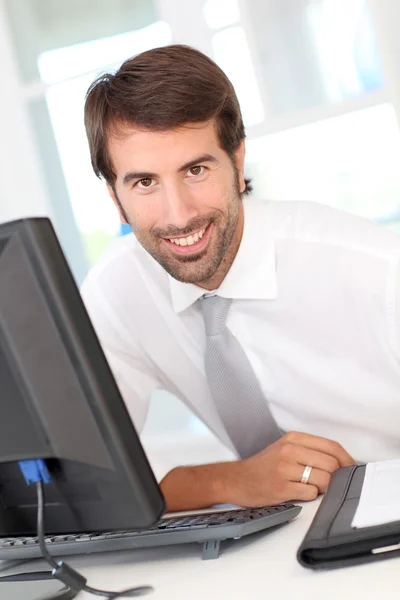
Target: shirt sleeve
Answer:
[[134, 376]]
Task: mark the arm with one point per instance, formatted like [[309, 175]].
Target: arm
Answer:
[[188, 488], [270, 477]]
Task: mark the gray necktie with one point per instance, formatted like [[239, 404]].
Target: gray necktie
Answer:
[[235, 389]]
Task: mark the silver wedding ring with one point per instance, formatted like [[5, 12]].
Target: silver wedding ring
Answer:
[[306, 474]]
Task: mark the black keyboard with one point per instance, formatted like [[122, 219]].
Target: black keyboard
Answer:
[[209, 528]]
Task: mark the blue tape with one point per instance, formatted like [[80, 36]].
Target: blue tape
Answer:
[[34, 470]]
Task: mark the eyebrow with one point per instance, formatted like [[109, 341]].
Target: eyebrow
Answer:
[[131, 175]]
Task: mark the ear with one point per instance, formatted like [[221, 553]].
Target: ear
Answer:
[[117, 203], [239, 162]]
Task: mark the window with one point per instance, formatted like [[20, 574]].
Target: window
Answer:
[[61, 47], [95, 214], [349, 162], [314, 52]]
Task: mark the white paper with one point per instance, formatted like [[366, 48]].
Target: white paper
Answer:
[[380, 495]]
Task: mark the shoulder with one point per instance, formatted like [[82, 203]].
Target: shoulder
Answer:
[[320, 224], [125, 270]]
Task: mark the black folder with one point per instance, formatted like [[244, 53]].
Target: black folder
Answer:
[[332, 542]]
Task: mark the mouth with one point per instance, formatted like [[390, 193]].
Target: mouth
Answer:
[[195, 242]]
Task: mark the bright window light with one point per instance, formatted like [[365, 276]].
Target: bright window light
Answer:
[[71, 61], [346, 48], [232, 54], [71, 70], [349, 162], [221, 13]]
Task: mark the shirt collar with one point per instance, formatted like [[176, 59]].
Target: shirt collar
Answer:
[[252, 275]]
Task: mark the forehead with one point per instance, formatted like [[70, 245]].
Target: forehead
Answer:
[[157, 151]]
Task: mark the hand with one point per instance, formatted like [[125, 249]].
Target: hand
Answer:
[[274, 475]]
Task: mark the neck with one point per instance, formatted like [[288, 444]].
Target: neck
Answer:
[[215, 281]]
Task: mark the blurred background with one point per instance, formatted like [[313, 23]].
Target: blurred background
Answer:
[[318, 82]]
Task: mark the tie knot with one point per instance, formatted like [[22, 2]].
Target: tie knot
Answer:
[[215, 311]]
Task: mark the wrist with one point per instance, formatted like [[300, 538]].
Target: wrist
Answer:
[[227, 482], [202, 486]]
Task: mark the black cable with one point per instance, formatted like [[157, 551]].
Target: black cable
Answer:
[[67, 574], [40, 526]]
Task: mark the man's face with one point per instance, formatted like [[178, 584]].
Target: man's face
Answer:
[[180, 192]]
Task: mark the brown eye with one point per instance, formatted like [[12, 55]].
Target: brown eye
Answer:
[[196, 170], [145, 182]]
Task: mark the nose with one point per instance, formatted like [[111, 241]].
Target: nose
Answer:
[[179, 206]]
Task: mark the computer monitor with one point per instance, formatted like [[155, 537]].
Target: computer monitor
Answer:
[[59, 401]]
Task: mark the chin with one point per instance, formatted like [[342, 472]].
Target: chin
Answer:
[[191, 275]]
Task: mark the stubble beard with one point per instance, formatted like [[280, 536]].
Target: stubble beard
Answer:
[[199, 267]]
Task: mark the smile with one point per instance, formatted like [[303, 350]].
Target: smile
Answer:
[[191, 243], [189, 240]]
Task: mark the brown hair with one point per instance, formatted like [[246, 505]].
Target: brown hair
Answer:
[[161, 89]]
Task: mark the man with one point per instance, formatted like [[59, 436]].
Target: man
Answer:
[[309, 292]]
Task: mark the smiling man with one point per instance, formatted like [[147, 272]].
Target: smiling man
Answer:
[[276, 323]]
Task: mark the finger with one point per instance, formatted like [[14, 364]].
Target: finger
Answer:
[[320, 444], [321, 479], [314, 458], [302, 492], [318, 478]]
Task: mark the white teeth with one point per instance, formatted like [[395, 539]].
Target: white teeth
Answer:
[[190, 240]]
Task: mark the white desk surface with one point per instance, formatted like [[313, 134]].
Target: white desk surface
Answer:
[[263, 566]]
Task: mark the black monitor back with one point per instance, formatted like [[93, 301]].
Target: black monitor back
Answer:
[[59, 401]]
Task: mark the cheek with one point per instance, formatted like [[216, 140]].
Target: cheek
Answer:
[[145, 215], [213, 194]]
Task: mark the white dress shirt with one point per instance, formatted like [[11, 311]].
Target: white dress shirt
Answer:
[[314, 308]]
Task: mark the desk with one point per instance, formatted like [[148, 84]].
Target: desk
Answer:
[[261, 567]]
